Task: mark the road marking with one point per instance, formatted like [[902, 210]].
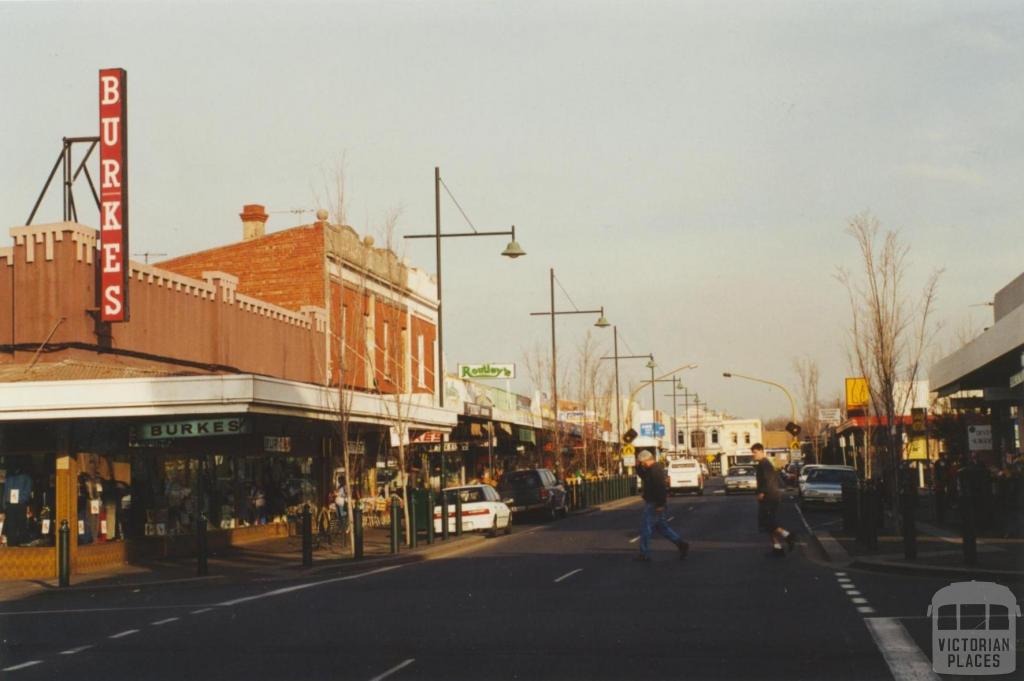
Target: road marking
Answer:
[[122, 634], [859, 601], [200, 611], [308, 585], [567, 575], [905, 659], [866, 610], [840, 574], [852, 592], [162, 622], [16, 667], [394, 669], [848, 587], [634, 539], [844, 580], [75, 651], [90, 610]]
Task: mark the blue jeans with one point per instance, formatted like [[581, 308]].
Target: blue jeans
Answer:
[[652, 520]]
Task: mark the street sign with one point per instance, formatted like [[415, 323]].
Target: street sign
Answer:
[[918, 419], [652, 429], [830, 417], [628, 450]]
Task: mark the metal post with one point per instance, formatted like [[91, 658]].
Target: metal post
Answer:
[[849, 507], [444, 500], [872, 517], [909, 500], [654, 409], [968, 519], [440, 327], [64, 554], [307, 537], [357, 531], [618, 397], [412, 522], [554, 378], [458, 515], [396, 525], [430, 516], [202, 547]]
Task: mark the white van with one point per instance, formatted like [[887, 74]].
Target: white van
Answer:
[[685, 475]]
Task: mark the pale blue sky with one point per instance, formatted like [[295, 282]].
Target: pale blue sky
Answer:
[[690, 166]]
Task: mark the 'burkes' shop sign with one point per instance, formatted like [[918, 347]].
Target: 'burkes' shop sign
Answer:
[[169, 430], [113, 144]]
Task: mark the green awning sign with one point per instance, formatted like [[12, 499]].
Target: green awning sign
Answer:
[[487, 371]]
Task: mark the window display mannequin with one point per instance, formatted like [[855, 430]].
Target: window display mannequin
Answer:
[[16, 496]]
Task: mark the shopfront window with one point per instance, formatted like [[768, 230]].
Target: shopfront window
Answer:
[[103, 497], [29, 499]]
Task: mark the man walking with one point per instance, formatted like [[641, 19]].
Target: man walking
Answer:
[[769, 495], [655, 498]]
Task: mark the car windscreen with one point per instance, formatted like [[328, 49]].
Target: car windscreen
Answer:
[[831, 476], [468, 495], [521, 480], [685, 464], [741, 471]]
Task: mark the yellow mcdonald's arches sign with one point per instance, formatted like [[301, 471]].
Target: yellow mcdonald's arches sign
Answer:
[[857, 393]]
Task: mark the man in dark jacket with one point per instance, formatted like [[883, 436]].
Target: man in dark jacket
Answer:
[[769, 495], [655, 498]]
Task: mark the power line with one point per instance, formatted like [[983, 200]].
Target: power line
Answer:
[[576, 307], [452, 196]]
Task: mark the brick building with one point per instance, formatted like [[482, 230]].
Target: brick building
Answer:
[[219, 397]]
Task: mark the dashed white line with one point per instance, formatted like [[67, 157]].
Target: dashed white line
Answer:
[[634, 539], [567, 575], [905, 659], [852, 592], [859, 601], [866, 610], [159, 623], [840, 574], [16, 667], [122, 634], [200, 611], [75, 651], [394, 669]]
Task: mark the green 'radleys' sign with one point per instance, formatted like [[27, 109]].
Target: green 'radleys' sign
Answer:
[[487, 371]]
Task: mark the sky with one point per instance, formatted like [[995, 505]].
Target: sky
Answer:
[[690, 166]]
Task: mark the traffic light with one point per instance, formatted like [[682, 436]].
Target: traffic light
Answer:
[[629, 436], [793, 429]]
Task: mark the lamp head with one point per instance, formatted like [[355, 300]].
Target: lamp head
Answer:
[[601, 322], [513, 250], [651, 364], [727, 374]]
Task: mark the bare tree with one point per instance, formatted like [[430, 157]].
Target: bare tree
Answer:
[[807, 370], [590, 382], [890, 328]]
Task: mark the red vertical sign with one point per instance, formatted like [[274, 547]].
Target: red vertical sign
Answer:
[[113, 195]]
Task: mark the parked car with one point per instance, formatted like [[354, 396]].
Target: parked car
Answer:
[[791, 474], [482, 510], [685, 475], [535, 490], [740, 479], [810, 468], [824, 486]]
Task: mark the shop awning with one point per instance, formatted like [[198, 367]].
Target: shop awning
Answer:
[[210, 394], [988, 361]]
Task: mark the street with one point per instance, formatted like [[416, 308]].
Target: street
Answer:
[[553, 601]]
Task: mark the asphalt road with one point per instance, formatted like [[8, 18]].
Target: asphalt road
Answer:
[[553, 601]]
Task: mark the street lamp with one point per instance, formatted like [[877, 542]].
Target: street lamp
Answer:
[[792, 402], [513, 250], [616, 357], [601, 323]]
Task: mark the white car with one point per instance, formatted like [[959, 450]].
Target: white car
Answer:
[[806, 470], [741, 479], [482, 510], [685, 475]]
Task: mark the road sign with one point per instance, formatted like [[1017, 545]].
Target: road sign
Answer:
[[628, 450], [918, 420]]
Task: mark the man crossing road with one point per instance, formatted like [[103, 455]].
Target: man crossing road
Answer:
[[769, 495], [655, 497]]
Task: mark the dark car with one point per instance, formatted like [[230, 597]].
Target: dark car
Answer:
[[536, 490]]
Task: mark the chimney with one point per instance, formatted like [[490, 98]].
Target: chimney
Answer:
[[254, 220]]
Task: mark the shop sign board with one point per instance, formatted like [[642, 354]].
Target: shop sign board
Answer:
[[830, 417], [198, 428], [357, 447], [507, 371], [652, 430], [857, 394], [477, 410], [428, 436], [113, 195], [277, 443], [979, 438]]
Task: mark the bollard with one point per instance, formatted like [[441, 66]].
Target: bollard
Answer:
[[444, 515], [939, 497], [871, 518], [64, 553], [357, 531], [584, 494], [412, 524], [908, 500], [396, 525], [202, 547], [307, 537], [458, 515], [850, 508], [968, 519]]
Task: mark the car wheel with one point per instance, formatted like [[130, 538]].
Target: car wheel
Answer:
[[508, 525], [494, 528]]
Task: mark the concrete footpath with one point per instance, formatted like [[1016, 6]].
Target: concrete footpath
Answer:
[[939, 553], [268, 560]]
